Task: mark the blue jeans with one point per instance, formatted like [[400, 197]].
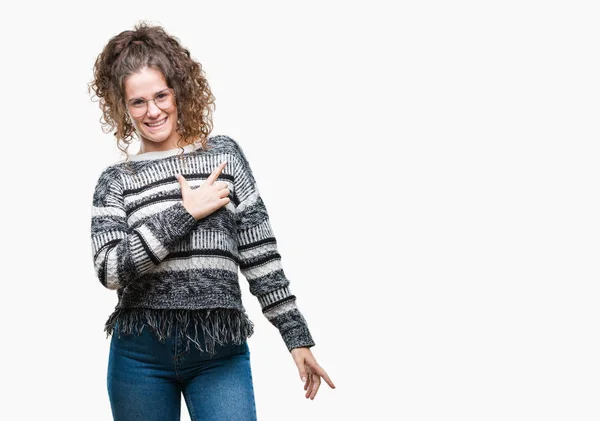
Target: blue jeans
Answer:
[[146, 378]]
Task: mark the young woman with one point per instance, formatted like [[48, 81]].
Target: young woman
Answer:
[[170, 227]]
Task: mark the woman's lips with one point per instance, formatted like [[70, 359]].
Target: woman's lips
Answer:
[[156, 125]]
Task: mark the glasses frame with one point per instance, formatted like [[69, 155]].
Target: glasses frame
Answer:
[[146, 101]]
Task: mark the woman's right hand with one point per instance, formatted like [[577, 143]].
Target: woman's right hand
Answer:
[[207, 198]]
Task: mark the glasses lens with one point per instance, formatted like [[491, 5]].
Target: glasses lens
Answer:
[[164, 100], [138, 107]]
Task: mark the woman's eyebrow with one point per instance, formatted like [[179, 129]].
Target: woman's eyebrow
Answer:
[[156, 93]]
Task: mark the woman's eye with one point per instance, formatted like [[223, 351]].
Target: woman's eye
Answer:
[[161, 96], [137, 103]]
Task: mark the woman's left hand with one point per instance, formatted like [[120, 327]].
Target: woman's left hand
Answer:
[[310, 371]]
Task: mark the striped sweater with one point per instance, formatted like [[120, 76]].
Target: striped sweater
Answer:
[[170, 270]]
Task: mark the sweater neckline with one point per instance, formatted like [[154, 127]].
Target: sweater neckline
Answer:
[[146, 156]]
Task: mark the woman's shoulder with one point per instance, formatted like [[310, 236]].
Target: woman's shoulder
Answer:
[[223, 143], [111, 172]]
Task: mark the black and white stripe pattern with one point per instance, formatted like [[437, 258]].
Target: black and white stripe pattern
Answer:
[[154, 253], [274, 297]]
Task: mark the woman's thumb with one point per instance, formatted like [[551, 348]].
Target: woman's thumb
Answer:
[[301, 370], [182, 182]]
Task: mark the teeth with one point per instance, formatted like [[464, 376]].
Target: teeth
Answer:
[[157, 124]]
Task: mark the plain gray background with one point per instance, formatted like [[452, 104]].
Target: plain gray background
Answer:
[[431, 172]]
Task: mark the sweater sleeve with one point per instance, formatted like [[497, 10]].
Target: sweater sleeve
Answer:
[[122, 254], [260, 261]]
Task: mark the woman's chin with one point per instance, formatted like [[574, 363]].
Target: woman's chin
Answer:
[[153, 138]]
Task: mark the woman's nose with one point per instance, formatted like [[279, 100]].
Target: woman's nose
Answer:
[[153, 110]]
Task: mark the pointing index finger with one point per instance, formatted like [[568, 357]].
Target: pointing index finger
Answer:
[[323, 374], [213, 176]]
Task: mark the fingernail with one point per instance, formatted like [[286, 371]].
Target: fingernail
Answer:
[[303, 379]]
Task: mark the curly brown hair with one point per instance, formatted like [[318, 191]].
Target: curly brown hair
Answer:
[[151, 46]]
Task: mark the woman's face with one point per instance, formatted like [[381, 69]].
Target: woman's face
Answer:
[[155, 124]]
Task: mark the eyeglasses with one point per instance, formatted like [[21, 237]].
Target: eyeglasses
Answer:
[[138, 107]]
